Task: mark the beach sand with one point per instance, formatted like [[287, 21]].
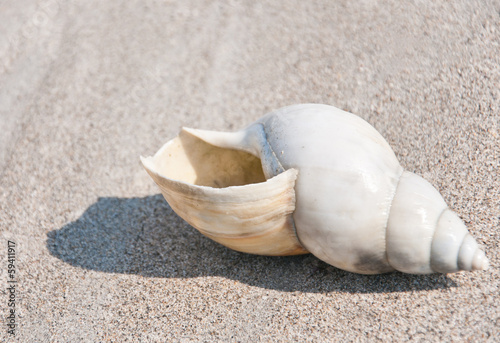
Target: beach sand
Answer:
[[88, 87]]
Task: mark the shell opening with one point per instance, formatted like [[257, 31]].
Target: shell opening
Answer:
[[189, 159], [224, 194]]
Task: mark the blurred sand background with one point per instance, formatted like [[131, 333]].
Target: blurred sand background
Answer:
[[88, 86]]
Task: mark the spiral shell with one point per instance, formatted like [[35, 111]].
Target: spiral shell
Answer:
[[313, 178]]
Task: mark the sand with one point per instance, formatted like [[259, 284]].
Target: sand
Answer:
[[88, 87]]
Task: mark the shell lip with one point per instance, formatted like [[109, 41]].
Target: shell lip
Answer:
[[148, 163]]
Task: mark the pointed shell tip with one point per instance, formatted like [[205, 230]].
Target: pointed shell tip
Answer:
[[480, 261]]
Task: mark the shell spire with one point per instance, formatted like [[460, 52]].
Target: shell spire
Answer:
[[434, 238]]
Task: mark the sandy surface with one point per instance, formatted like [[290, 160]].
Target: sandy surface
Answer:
[[88, 86]]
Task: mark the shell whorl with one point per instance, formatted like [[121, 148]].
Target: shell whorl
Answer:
[[424, 235]]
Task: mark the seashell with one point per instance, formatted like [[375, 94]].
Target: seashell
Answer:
[[313, 178]]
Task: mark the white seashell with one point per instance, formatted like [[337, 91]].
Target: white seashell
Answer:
[[313, 178]]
